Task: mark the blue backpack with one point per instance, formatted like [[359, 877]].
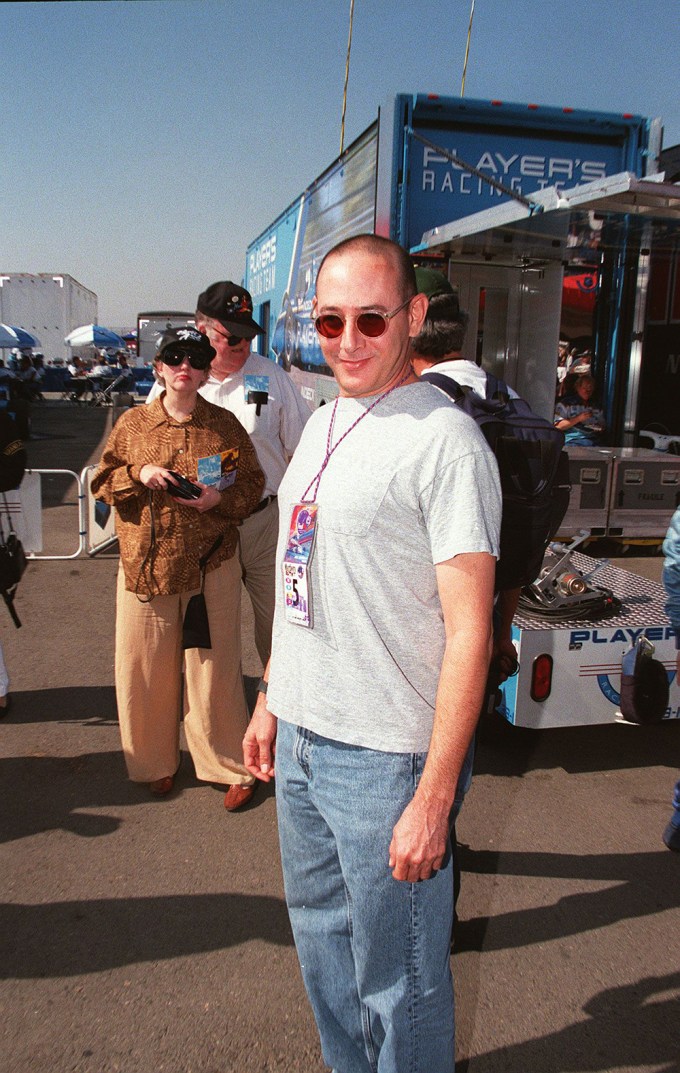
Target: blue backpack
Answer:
[[534, 471]]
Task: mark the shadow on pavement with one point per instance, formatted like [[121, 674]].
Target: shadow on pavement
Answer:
[[49, 792], [503, 749], [89, 705], [643, 884], [631, 1026], [73, 938], [93, 706]]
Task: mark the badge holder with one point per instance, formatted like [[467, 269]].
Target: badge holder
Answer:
[[256, 391], [296, 562]]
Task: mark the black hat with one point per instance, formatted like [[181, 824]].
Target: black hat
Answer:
[[185, 339], [232, 306]]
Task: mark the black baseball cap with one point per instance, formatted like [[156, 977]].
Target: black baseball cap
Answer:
[[232, 306], [183, 339]]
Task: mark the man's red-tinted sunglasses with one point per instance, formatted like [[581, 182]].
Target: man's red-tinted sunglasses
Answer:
[[371, 323]]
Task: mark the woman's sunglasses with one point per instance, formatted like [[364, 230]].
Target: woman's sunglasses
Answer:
[[371, 324], [174, 358]]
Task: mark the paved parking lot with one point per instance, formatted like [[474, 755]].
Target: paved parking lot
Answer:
[[140, 934]]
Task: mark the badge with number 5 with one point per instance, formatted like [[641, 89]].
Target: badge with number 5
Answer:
[[296, 560]]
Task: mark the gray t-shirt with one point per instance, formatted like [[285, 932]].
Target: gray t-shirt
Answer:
[[413, 484]]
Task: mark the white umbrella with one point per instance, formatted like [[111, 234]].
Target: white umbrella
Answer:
[[94, 335], [10, 336]]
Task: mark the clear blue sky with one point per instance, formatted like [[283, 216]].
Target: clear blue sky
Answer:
[[146, 143]]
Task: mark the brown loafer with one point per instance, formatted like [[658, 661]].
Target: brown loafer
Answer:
[[161, 787], [238, 796]]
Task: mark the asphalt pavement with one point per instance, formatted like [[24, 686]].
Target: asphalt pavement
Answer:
[[141, 934]]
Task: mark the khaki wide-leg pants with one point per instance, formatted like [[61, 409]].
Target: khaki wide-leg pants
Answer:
[[257, 548], [149, 661]]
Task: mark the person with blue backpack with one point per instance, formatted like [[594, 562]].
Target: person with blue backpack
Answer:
[[533, 470], [528, 449]]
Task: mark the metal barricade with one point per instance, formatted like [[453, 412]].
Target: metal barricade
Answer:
[[100, 518], [96, 526]]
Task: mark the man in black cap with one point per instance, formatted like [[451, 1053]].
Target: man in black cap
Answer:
[[264, 399]]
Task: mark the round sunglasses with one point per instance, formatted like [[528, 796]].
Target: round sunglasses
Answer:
[[371, 323], [174, 358]]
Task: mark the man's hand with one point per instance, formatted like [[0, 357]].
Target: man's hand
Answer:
[[259, 743], [419, 841], [504, 654], [504, 659]]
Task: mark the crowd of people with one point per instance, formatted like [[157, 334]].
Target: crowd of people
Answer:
[[23, 377], [101, 364], [89, 375], [366, 535]]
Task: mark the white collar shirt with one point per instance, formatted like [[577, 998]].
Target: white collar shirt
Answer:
[[276, 430]]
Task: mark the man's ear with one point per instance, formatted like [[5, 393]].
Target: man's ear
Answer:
[[417, 312]]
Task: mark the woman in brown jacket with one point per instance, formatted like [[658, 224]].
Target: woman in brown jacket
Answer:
[[168, 547]]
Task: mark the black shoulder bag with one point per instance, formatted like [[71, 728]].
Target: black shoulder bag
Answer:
[[196, 628], [12, 564]]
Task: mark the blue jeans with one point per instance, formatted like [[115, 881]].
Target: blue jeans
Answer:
[[675, 814], [374, 951]]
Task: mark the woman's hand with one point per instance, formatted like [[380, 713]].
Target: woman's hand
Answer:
[[155, 477], [208, 498]]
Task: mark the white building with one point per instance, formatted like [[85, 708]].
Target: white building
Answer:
[[49, 306]]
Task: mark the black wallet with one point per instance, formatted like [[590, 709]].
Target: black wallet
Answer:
[[184, 489]]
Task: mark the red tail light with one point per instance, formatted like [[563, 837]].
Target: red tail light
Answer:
[[541, 677]]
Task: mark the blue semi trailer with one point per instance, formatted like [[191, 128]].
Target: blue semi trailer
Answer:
[[546, 219]]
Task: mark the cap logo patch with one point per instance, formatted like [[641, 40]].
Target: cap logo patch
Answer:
[[188, 334]]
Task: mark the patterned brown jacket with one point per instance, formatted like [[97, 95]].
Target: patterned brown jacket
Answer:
[[161, 540]]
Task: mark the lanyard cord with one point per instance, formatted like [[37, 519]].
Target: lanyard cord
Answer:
[[316, 481]]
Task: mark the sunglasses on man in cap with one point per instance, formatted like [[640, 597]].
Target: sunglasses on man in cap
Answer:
[[232, 339]]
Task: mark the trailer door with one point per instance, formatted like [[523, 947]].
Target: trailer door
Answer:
[[514, 324], [530, 244]]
